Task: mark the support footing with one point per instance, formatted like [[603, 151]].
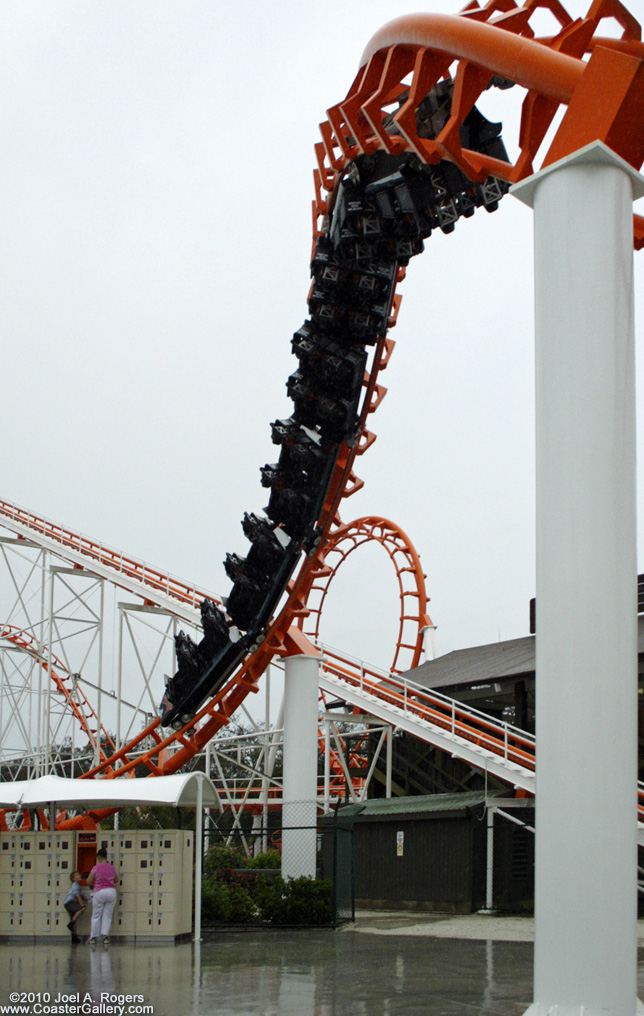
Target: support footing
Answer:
[[541, 1009]]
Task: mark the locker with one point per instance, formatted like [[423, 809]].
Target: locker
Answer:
[[155, 895], [42, 855], [42, 921], [27, 902], [24, 922], [126, 862], [164, 924], [124, 922], [144, 923], [166, 861], [143, 902], [8, 901], [8, 861], [85, 851]]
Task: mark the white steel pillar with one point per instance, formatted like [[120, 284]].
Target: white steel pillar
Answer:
[[429, 641], [586, 641], [299, 810], [198, 858]]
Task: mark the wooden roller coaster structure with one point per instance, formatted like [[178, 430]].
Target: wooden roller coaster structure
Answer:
[[407, 152]]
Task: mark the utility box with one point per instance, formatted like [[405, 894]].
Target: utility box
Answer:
[[155, 894]]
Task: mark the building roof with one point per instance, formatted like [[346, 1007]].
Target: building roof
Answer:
[[422, 804], [483, 664], [478, 663]]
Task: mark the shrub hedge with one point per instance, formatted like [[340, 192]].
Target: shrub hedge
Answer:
[[234, 891]]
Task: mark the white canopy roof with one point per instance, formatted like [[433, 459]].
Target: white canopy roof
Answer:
[[179, 790]]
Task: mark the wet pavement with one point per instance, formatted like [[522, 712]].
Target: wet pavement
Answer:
[[385, 965]]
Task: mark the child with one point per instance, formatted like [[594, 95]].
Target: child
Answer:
[[74, 904]]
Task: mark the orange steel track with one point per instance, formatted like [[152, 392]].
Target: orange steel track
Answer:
[[599, 80], [409, 573]]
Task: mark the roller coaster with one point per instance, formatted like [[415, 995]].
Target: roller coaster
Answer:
[[406, 153]]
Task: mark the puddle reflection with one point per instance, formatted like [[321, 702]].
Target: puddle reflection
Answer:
[[309, 973]]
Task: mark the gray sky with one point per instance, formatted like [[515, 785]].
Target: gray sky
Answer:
[[156, 182]]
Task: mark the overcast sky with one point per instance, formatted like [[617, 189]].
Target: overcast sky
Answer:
[[156, 183]]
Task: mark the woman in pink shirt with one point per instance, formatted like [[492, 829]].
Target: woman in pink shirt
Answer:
[[103, 879]]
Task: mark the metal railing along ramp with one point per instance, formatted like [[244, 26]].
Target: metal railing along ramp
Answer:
[[482, 741], [156, 586]]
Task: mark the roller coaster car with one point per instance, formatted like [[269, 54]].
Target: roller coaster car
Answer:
[[293, 509], [301, 467], [272, 556], [387, 198], [216, 629], [182, 699], [253, 598], [246, 596], [269, 544], [307, 457], [188, 662], [335, 368], [384, 208], [335, 417], [291, 432]]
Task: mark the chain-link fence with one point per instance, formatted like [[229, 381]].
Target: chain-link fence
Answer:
[[287, 866]]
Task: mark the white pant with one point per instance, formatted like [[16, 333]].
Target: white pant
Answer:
[[102, 910]]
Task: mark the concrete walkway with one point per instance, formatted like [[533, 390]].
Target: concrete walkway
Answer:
[[479, 927]]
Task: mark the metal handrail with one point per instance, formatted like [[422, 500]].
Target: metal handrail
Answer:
[[510, 743], [126, 565]]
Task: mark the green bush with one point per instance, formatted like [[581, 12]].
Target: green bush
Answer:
[[269, 859], [230, 903], [295, 901], [214, 900], [235, 896], [267, 893], [218, 858]]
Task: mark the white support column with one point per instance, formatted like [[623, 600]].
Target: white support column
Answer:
[[299, 811], [198, 858], [99, 700], [429, 641], [207, 768], [489, 880], [327, 765], [586, 641]]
